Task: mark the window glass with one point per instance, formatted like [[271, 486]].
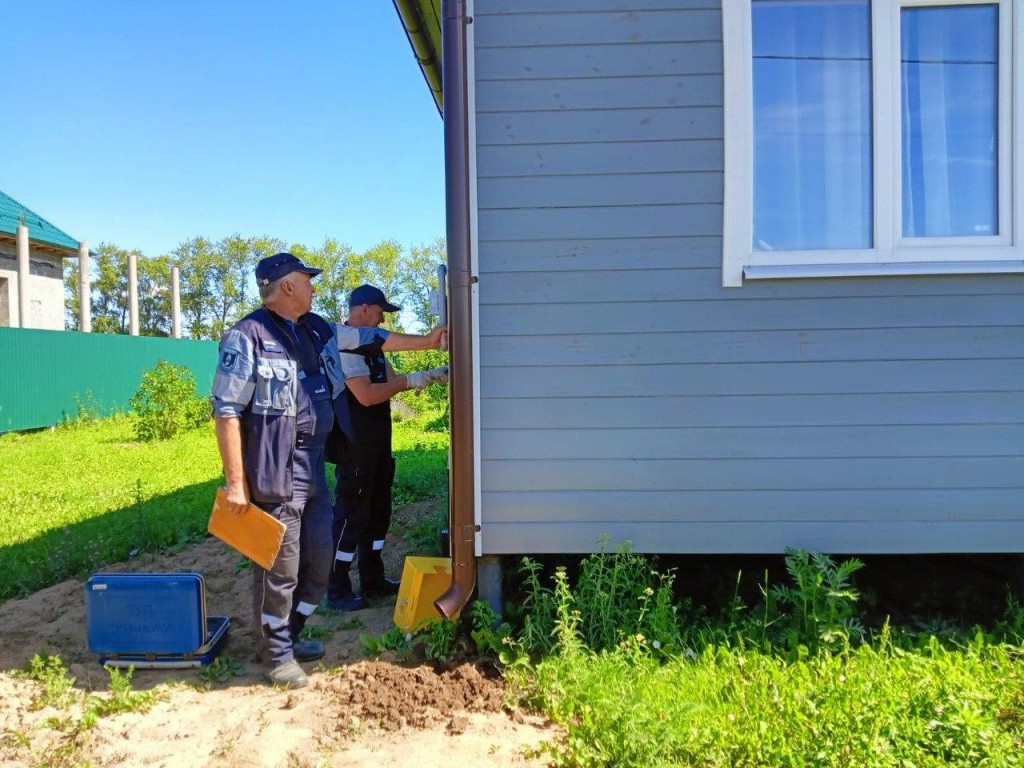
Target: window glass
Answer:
[[949, 114], [812, 124]]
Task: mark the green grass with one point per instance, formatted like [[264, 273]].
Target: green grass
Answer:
[[874, 706], [421, 455], [86, 495]]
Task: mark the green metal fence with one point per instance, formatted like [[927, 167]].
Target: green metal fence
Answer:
[[48, 375]]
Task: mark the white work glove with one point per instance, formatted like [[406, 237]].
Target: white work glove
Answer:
[[422, 379]]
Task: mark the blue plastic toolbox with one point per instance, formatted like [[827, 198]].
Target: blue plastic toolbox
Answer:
[[149, 615], [217, 633]]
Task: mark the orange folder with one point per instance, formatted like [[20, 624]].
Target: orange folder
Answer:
[[254, 533]]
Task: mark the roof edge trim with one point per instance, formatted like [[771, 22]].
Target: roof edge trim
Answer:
[[411, 14]]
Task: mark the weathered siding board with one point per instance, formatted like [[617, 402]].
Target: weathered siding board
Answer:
[[749, 508], [598, 61], [598, 158], [525, 192], [625, 392], [647, 446], [566, 28], [755, 346], [796, 475], [613, 221], [590, 284], [881, 536], [758, 410], [585, 6], [623, 315], [726, 379], [595, 125], [617, 93], [558, 255]]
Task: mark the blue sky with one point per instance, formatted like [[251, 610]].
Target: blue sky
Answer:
[[145, 123]]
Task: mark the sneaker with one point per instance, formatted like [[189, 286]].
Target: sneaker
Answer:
[[308, 650], [288, 675], [384, 587], [349, 603]]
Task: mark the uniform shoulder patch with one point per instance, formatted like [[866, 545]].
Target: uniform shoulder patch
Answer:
[[228, 359]]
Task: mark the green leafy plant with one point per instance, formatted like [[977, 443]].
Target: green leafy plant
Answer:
[[395, 639], [489, 634], [87, 412], [315, 632], [121, 698], [617, 594], [166, 403], [822, 601], [55, 686], [440, 639], [221, 670], [538, 615]]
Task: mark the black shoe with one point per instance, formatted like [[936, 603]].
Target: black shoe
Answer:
[[382, 588], [348, 603], [308, 650]]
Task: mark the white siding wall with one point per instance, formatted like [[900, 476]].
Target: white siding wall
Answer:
[[624, 391]]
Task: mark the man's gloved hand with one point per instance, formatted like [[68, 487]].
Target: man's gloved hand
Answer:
[[421, 379], [438, 375]]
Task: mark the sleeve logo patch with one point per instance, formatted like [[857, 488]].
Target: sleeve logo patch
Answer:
[[227, 360]]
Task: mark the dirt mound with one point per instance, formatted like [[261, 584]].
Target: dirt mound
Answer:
[[394, 697]]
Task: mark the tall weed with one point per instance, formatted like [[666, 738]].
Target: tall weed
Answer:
[[820, 608], [617, 595]]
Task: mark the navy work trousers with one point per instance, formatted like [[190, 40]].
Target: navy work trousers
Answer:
[[285, 596]]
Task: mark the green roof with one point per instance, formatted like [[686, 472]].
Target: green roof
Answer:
[[40, 230]]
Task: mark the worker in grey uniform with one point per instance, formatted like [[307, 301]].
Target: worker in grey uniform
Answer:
[[365, 465], [274, 398]]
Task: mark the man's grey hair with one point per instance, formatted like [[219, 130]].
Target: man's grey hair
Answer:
[[268, 290]]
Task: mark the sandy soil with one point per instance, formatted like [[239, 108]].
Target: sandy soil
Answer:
[[355, 712]]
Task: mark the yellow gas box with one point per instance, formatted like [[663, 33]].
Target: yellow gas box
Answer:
[[424, 579]]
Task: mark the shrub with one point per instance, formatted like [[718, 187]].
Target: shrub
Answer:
[[166, 403]]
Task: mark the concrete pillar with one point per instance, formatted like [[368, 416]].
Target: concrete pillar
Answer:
[[133, 294], [84, 289], [175, 302], [488, 582], [23, 274]]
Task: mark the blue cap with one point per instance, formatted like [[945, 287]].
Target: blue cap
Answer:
[[368, 294], [280, 264]]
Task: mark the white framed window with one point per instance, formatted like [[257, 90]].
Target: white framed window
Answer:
[[872, 137]]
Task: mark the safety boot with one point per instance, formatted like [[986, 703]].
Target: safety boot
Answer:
[[288, 675]]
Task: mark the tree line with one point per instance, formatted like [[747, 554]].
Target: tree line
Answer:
[[217, 286]]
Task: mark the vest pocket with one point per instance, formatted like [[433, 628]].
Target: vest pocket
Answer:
[[275, 384]]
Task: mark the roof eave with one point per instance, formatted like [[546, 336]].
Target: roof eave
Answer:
[[426, 49]]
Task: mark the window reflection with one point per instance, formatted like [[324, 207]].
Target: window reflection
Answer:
[[812, 124], [949, 97]]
